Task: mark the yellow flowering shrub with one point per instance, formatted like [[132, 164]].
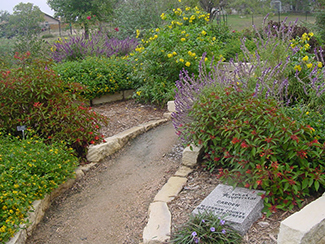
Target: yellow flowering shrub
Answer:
[[177, 45]]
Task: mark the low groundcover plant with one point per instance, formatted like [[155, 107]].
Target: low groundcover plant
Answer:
[[207, 228], [29, 169]]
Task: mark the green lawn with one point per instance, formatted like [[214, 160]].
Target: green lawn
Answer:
[[238, 22]]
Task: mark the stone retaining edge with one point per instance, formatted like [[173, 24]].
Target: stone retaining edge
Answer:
[[158, 228], [117, 96], [112, 145]]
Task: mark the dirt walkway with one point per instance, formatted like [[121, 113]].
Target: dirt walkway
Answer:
[[110, 204]]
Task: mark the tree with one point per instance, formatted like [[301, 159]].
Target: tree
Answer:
[[24, 26], [25, 20], [210, 5], [4, 20], [144, 14], [82, 11]]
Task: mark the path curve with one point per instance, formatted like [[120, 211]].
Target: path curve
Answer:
[[110, 204]]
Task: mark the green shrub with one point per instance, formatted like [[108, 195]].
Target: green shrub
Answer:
[[320, 23], [99, 76], [254, 144], [308, 116], [33, 95], [178, 45], [289, 64], [307, 73], [206, 228], [29, 169], [7, 52], [232, 49], [47, 36]]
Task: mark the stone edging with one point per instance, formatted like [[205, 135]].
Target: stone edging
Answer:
[[158, 228], [108, 98], [96, 153]]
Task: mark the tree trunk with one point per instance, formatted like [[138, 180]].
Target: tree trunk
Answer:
[[86, 31]]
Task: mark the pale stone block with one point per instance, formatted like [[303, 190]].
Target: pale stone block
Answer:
[[159, 224], [39, 208], [168, 115], [127, 94], [171, 106], [171, 189], [62, 188], [190, 157], [152, 124], [19, 238], [79, 173], [87, 167], [306, 226], [127, 135], [97, 153], [183, 171], [108, 98]]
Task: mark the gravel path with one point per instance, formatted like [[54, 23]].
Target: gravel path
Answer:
[[110, 204]]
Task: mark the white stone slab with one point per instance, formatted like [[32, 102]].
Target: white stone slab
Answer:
[[159, 224], [306, 226], [240, 207], [171, 106]]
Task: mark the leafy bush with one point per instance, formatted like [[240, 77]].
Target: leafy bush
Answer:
[[306, 115], [98, 45], [29, 169], [33, 95], [254, 144], [178, 44], [288, 64], [320, 23], [308, 82], [206, 228], [47, 36], [7, 52], [143, 14], [99, 76], [292, 31], [232, 48]]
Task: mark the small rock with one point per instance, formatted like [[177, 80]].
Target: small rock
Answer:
[[263, 224]]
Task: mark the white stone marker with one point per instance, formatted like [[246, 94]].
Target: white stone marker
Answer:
[[240, 207]]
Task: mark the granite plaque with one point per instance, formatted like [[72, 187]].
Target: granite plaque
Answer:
[[240, 207]]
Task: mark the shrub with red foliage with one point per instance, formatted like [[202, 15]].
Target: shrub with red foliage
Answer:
[[33, 95]]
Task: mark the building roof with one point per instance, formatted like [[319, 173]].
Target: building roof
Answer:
[[52, 19]]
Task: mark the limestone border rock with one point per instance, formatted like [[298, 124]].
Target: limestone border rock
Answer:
[[306, 226], [118, 96], [95, 154], [157, 226]]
